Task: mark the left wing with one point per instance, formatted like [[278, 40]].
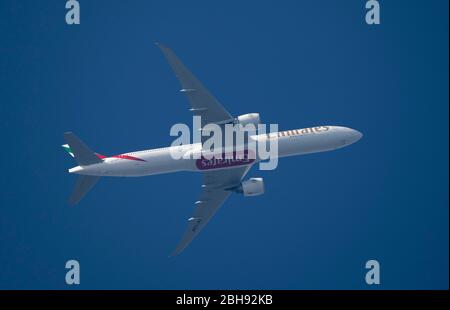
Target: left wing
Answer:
[[215, 190]]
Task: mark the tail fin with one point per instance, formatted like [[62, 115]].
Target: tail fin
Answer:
[[80, 151], [84, 184], [84, 156], [68, 149]]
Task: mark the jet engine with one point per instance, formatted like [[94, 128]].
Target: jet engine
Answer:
[[252, 187], [252, 118]]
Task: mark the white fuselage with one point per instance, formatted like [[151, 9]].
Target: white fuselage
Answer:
[[157, 161]]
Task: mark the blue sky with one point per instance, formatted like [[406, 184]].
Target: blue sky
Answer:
[[297, 63]]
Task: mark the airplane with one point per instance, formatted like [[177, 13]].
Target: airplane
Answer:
[[220, 178]]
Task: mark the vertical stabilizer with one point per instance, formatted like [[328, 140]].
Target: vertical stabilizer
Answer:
[[84, 157], [82, 153]]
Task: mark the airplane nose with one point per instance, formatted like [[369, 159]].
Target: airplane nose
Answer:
[[353, 136]]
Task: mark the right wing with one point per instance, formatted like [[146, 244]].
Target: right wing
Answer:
[[215, 190], [201, 100]]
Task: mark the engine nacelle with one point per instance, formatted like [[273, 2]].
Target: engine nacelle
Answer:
[[252, 118], [252, 187]]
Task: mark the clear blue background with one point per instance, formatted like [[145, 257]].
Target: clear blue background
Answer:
[[299, 64]]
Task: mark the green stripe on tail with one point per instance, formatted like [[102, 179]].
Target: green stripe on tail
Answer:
[[67, 148]]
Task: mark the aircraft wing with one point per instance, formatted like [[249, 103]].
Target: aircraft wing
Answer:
[[201, 100], [214, 193]]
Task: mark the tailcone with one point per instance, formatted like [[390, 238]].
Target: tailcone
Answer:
[[76, 170]]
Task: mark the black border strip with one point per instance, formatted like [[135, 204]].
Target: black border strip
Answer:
[[170, 297]]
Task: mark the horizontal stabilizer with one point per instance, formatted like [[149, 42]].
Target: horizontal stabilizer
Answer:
[[84, 184]]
